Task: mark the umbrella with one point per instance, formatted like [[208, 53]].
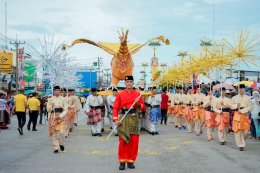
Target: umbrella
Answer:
[[255, 85], [246, 83], [227, 86]]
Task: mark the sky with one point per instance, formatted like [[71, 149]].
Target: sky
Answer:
[[184, 23]]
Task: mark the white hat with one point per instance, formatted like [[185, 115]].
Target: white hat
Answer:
[[227, 91]]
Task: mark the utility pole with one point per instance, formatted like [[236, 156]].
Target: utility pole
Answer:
[[164, 68], [100, 63], [6, 24], [107, 74], [144, 65], [17, 44]]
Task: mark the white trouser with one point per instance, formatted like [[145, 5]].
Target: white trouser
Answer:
[[190, 126], [76, 117], [241, 137], [103, 122], [57, 139], [110, 117], [222, 136], [210, 132], [154, 127], [114, 127], [96, 128], [143, 123], [147, 119], [198, 126]]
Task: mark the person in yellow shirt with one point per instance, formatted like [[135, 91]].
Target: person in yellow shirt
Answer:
[[34, 106], [20, 101]]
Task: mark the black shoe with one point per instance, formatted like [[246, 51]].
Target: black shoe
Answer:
[[55, 151], [241, 148], [102, 130], [111, 128], [152, 133], [28, 128], [34, 130], [70, 130], [20, 131], [99, 134], [130, 165], [122, 166], [75, 124], [223, 143], [62, 148], [94, 134], [156, 133], [116, 134]]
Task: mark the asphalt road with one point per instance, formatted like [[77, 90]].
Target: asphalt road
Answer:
[[172, 151]]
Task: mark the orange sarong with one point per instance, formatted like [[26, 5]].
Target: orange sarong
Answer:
[[55, 123], [210, 119], [222, 121], [198, 113], [241, 121], [170, 110], [187, 111]]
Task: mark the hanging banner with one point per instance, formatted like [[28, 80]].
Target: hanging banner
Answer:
[[6, 62], [29, 71], [20, 66]]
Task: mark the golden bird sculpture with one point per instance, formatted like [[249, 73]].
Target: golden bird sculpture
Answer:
[[122, 63]]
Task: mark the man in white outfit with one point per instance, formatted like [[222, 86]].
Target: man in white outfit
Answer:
[[93, 112], [110, 102], [154, 101]]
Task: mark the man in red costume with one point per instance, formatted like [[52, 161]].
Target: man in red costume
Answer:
[[128, 129]]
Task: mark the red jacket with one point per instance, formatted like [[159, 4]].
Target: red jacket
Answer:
[[125, 99], [164, 103]]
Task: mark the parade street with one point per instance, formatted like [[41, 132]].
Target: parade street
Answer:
[[173, 150]]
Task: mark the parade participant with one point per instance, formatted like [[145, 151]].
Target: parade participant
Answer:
[[198, 112], [56, 108], [142, 114], [210, 115], [164, 106], [103, 112], [241, 123], [222, 107], [179, 107], [82, 101], [4, 116], [34, 106], [154, 101], [172, 106], [256, 113], [42, 108], [93, 112], [187, 111], [75, 103], [110, 101], [20, 103], [70, 112], [147, 113], [64, 92], [128, 129]]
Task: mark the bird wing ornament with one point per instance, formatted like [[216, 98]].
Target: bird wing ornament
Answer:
[[122, 63]]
